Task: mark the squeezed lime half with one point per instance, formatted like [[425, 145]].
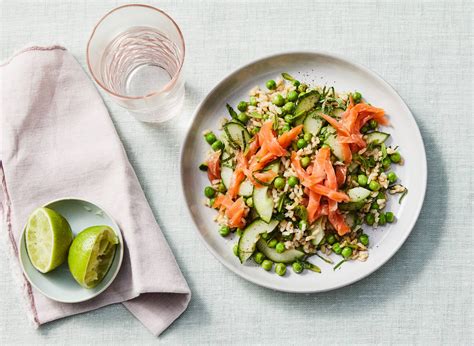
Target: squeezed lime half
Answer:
[[91, 255], [48, 236]]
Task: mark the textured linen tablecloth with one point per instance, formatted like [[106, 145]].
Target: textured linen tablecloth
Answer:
[[423, 295]]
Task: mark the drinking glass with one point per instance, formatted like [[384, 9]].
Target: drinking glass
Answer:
[[136, 54]]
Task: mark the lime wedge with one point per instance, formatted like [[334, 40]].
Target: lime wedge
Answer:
[[91, 255], [48, 236]]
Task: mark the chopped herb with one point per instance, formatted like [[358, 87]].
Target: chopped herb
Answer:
[[287, 76], [231, 111], [325, 259], [403, 195], [203, 166], [339, 264], [312, 267]]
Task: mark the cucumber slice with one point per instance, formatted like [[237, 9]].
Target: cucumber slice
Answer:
[[274, 166], [307, 102], [317, 230], [377, 137], [263, 203], [288, 256], [357, 194], [313, 123], [251, 235], [335, 146], [246, 188], [226, 175], [237, 134]]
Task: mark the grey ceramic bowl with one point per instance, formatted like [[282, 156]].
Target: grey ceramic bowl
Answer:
[[59, 284]]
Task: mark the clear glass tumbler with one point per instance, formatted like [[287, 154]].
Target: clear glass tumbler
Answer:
[[136, 54]]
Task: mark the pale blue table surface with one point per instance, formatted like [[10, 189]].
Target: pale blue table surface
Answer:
[[423, 295]]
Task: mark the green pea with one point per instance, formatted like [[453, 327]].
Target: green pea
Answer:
[[243, 118], [210, 138], [279, 182], [381, 195], [303, 224], [242, 106], [362, 179], [392, 177], [267, 265], [357, 96], [370, 219], [289, 107], [280, 269], [280, 247], [346, 252], [253, 101], [364, 239], [271, 84], [259, 257], [217, 145], [374, 185], [293, 181], [373, 124], [386, 163], [390, 216], [265, 236], [278, 100], [209, 192], [235, 249], [249, 202], [302, 88], [307, 136], [364, 129], [374, 206], [331, 239], [297, 267], [285, 128], [292, 96], [305, 161], [289, 118], [221, 187], [224, 231], [301, 143], [395, 157], [272, 243], [336, 247], [382, 219]]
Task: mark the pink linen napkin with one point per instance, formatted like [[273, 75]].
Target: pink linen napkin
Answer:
[[57, 140]]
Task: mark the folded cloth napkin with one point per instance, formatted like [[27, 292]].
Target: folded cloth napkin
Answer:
[[57, 140]]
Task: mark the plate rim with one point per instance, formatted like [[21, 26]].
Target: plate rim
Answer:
[[423, 169], [117, 231]]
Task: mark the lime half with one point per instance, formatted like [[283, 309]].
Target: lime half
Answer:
[[48, 236], [91, 255]]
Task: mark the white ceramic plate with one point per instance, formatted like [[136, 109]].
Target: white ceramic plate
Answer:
[[59, 284], [322, 69]]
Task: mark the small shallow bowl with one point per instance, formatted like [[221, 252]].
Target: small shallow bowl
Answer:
[[322, 69], [59, 285]]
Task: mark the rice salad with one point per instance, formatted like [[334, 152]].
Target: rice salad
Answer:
[[298, 171]]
